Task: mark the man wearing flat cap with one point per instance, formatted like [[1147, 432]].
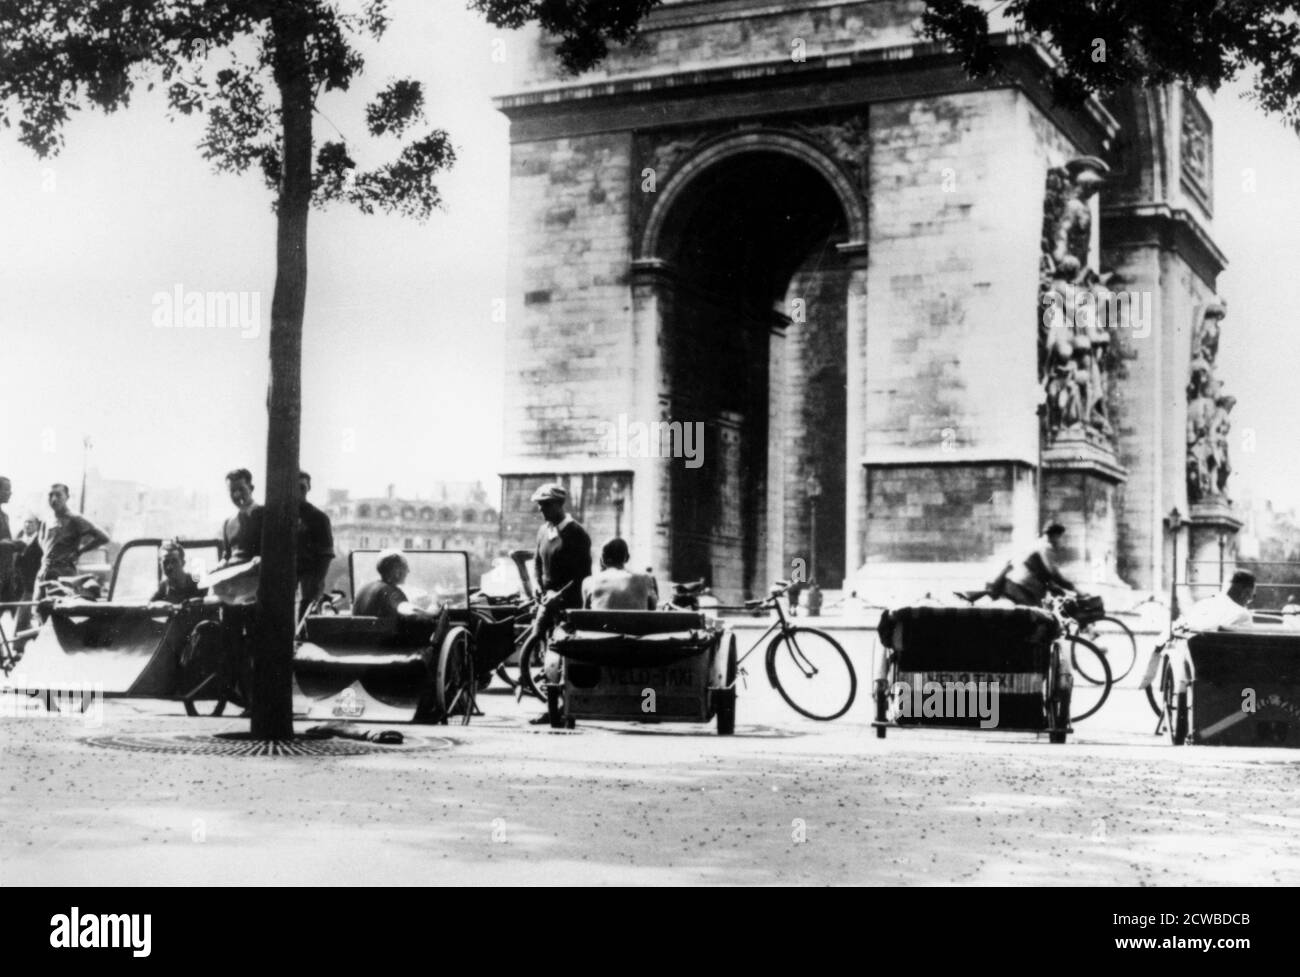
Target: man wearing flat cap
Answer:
[[563, 546]]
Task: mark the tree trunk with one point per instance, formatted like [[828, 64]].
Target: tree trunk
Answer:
[[272, 692]]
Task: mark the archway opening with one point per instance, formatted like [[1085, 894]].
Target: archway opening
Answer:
[[755, 357]]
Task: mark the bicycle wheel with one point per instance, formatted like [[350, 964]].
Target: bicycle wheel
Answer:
[[1115, 639], [1094, 659], [1156, 707], [812, 673], [532, 679], [454, 688], [1086, 669]]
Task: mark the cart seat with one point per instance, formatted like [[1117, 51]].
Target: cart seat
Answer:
[[635, 622], [345, 631], [1001, 639]]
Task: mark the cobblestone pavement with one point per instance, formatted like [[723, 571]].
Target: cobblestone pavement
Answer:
[[786, 800]]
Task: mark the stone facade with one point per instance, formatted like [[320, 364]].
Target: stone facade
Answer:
[[796, 227]]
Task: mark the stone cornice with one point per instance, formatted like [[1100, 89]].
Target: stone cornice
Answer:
[[1159, 225], [930, 457], [823, 81]]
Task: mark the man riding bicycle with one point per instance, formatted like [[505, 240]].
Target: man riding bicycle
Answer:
[[1028, 579]]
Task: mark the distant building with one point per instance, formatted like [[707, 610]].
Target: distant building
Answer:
[[128, 510], [458, 517], [1269, 532]]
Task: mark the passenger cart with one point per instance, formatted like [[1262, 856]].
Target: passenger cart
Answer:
[[643, 666], [124, 646], [411, 669], [1232, 687], [973, 668]]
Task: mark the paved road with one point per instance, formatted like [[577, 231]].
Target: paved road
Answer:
[[784, 801]]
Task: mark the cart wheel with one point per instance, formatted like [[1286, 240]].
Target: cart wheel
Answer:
[[1176, 707], [724, 703], [532, 676], [554, 709], [453, 693], [882, 706]]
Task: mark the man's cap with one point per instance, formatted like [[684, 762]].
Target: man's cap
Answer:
[[550, 492], [1053, 527]]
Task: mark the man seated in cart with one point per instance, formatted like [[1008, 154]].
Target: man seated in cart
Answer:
[[178, 585], [384, 598], [1227, 609], [616, 588]]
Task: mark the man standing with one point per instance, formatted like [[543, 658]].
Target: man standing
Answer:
[[241, 535], [9, 548], [563, 547], [315, 544], [66, 538], [618, 589]]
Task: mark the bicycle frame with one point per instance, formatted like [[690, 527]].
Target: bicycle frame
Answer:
[[781, 624]]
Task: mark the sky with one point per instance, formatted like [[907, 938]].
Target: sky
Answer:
[[403, 365]]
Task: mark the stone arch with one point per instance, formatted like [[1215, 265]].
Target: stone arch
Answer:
[[751, 245], [769, 140]]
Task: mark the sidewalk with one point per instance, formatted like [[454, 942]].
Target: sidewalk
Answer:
[[784, 801]]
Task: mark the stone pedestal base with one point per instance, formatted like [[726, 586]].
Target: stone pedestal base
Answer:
[[1211, 549], [1080, 476], [939, 527]]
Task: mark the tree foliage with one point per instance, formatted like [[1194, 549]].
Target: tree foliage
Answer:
[[222, 61], [1105, 45]]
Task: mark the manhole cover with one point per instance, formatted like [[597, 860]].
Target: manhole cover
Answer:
[[195, 744]]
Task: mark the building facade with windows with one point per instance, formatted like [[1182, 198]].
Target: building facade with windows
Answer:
[[458, 517]]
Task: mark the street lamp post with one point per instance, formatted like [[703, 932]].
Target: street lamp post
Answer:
[[1175, 523], [813, 594], [616, 493], [85, 451]]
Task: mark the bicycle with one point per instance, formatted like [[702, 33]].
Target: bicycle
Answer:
[[803, 663], [1059, 607], [532, 641], [1084, 617]]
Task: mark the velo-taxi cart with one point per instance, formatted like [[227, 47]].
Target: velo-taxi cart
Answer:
[[1231, 687], [973, 668], [355, 667], [125, 646], [643, 666]]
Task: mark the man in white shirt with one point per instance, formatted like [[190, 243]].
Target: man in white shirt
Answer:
[[615, 588], [1226, 609]]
